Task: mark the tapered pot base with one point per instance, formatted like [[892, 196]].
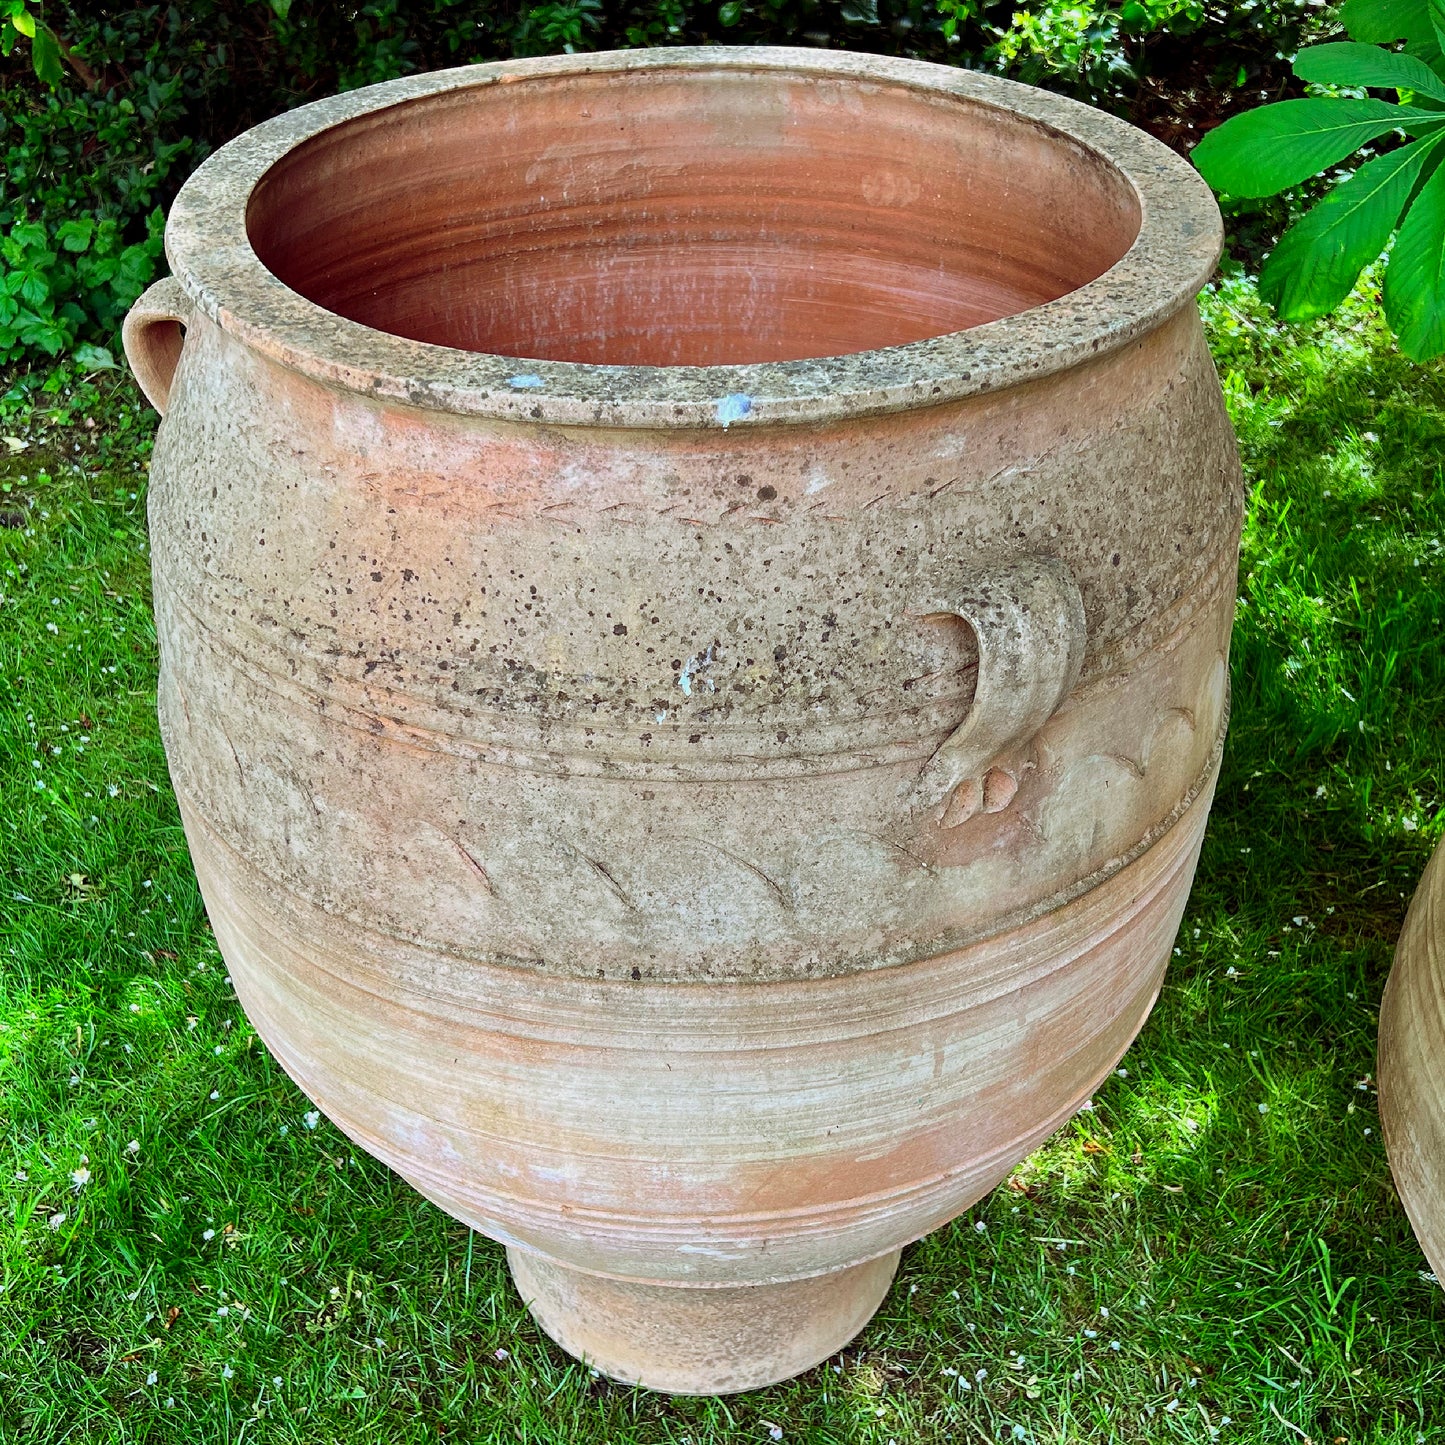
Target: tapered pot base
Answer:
[[691, 1341]]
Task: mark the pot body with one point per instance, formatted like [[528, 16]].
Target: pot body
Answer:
[[548, 932], [1411, 1077], [709, 855]]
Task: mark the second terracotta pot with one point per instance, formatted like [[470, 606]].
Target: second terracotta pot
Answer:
[[1412, 1063], [694, 593]]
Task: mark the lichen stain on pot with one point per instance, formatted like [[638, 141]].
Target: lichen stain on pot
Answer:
[[701, 822]]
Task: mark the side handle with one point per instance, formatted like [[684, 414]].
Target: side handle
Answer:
[[1028, 618], [153, 334]]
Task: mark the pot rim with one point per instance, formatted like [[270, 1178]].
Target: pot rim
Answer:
[[1172, 256]]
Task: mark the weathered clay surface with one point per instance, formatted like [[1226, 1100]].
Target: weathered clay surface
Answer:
[[701, 823], [1412, 1064]]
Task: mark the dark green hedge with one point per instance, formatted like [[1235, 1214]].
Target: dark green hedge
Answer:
[[89, 162]]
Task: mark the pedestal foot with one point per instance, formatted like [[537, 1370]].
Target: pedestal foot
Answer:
[[700, 1341]]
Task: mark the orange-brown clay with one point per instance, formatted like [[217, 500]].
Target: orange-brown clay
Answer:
[[694, 593], [1412, 1064]]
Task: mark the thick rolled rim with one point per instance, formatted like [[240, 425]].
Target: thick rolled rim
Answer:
[[1171, 258]]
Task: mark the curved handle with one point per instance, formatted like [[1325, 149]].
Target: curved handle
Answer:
[[1028, 618], [153, 334]]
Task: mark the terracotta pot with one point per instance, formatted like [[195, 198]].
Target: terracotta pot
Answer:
[[1411, 1071], [701, 802]]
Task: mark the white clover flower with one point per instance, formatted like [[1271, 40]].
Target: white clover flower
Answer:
[[1264, 1108], [151, 1378], [79, 1178], [311, 1118], [56, 1220], [133, 1147], [227, 1372], [208, 1234]]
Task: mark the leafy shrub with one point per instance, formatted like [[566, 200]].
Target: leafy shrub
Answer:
[[105, 108], [1399, 192]]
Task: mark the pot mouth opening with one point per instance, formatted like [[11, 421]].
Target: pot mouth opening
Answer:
[[691, 237], [687, 218]]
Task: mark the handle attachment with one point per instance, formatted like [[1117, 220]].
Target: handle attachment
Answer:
[[153, 334], [1028, 618]]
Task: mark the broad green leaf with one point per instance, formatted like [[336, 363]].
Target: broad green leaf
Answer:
[[1380, 21], [1415, 276], [33, 289], [1320, 257], [24, 22], [94, 358], [1277, 146], [1425, 49], [30, 235], [1437, 21], [45, 56], [1348, 64], [75, 233]]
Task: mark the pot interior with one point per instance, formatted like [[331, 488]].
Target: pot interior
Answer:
[[687, 217]]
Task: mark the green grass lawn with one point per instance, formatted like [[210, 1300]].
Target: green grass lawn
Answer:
[[1214, 1251]]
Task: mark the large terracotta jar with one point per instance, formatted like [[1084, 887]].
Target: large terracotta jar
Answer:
[[694, 591], [1411, 1070]]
